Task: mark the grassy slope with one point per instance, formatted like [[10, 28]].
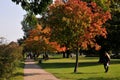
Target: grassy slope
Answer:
[[88, 69]]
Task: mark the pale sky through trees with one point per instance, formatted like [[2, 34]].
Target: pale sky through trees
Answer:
[[11, 16]]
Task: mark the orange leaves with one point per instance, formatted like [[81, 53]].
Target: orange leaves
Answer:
[[84, 21], [38, 27], [84, 44], [106, 16], [46, 30], [97, 18], [78, 7], [36, 33], [75, 22], [69, 9], [93, 4], [57, 46], [39, 38], [97, 47], [33, 36], [36, 38], [55, 4]]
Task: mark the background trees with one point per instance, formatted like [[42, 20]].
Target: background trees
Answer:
[[29, 22], [113, 29], [105, 4], [3, 40], [111, 43], [64, 18], [38, 42]]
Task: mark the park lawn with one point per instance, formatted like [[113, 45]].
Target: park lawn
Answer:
[[89, 69], [18, 73]]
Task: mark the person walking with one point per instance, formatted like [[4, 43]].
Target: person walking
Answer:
[[106, 61]]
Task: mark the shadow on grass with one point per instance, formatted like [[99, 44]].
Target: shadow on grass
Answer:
[[100, 78], [21, 65], [87, 73], [67, 65], [71, 64], [18, 74], [31, 66], [32, 74]]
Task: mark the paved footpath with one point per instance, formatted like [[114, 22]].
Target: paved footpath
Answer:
[[33, 72]]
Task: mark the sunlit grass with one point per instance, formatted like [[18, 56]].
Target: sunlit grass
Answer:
[[89, 69]]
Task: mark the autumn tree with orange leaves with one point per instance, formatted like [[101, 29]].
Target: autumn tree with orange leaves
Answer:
[[38, 42], [75, 24]]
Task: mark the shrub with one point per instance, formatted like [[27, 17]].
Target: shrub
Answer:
[[9, 56]]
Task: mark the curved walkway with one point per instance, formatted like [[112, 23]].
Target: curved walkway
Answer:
[[33, 72]]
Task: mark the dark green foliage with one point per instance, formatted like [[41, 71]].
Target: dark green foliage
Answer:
[[35, 6], [9, 57], [29, 22], [111, 43], [102, 3], [113, 28]]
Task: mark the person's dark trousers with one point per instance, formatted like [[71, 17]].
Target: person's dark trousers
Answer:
[[106, 67]]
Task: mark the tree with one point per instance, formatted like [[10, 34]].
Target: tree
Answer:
[[38, 41], [75, 24], [111, 43], [34, 6], [29, 22], [114, 26], [3, 40], [105, 4], [34, 42]]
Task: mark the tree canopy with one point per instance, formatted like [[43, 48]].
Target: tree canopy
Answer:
[[78, 19], [76, 23], [34, 6], [113, 28]]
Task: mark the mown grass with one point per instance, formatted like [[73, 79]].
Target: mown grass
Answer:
[[18, 73], [89, 69]]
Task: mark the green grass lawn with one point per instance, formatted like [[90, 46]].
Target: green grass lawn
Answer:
[[88, 69], [18, 73]]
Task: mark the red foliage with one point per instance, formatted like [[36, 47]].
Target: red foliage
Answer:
[[36, 36], [92, 19]]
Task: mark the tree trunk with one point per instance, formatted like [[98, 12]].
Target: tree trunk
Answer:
[[63, 54], [76, 63], [67, 53]]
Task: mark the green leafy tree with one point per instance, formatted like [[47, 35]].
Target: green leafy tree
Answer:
[[111, 43], [114, 26], [29, 22], [34, 6]]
